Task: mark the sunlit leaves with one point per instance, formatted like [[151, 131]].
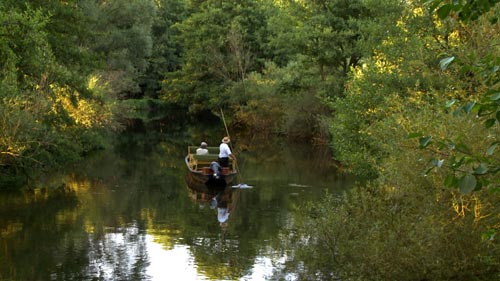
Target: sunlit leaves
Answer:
[[46, 56]]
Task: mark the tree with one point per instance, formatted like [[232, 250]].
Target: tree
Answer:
[[324, 33], [398, 76], [125, 40], [51, 107], [470, 168], [220, 43], [166, 51]]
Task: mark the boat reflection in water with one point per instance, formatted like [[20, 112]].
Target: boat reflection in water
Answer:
[[222, 198]]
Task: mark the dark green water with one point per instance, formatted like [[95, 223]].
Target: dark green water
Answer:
[[128, 214]]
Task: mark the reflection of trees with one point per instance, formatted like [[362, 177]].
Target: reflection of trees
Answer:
[[30, 232], [165, 210], [297, 162], [253, 229], [221, 257], [72, 234], [96, 225], [54, 236], [217, 252], [119, 256]]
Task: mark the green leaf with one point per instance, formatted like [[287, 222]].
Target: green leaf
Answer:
[[489, 235], [496, 96], [498, 116], [492, 147], [469, 106], [445, 62], [429, 170], [462, 148], [484, 110], [481, 170], [467, 184], [424, 141], [444, 11], [437, 163], [456, 163], [490, 122], [450, 181], [450, 103], [465, 14]]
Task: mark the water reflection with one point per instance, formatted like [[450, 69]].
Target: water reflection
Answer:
[[222, 199], [129, 214]]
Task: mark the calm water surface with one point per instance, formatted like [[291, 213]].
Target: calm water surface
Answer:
[[129, 214]]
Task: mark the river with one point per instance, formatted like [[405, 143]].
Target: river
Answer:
[[127, 213]]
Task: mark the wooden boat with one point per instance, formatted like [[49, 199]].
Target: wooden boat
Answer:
[[200, 172], [200, 193]]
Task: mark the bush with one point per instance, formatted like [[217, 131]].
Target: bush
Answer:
[[406, 224], [391, 233]]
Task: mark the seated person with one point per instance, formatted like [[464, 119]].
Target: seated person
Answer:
[[202, 150]]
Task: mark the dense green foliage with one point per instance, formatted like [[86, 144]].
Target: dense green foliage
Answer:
[[420, 116], [271, 64], [40, 91], [62, 66]]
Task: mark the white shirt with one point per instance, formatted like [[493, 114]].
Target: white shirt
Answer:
[[201, 151], [222, 214], [224, 150]]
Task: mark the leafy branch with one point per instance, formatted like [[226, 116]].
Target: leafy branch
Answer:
[[469, 171]]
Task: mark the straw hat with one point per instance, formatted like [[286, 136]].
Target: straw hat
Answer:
[[226, 140]]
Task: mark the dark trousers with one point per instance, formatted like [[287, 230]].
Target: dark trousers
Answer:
[[224, 161]]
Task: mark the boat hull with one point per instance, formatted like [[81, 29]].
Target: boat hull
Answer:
[[198, 177]]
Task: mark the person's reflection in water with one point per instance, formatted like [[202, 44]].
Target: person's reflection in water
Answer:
[[222, 213], [221, 202]]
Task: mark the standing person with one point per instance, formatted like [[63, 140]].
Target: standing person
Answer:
[[202, 150], [225, 153]]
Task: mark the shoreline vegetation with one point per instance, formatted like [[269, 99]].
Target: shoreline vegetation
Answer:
[[406, 94]]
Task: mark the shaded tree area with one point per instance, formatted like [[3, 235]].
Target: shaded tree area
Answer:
[[41, 86], [63, 67], [270, 64]]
